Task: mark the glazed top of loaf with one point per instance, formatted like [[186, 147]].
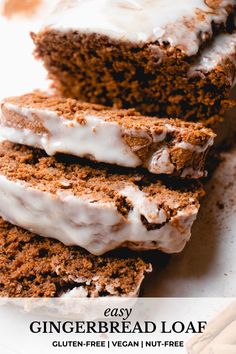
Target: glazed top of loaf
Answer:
[[180, 23]]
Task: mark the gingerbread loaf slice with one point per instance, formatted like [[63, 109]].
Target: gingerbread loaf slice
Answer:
[[143, 54], [94, 207], [32, 266], [122, 137]]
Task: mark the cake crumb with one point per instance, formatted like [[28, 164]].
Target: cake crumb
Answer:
[[220, 205]]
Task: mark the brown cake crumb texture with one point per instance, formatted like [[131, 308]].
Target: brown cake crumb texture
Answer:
[[32, 266], [192, 133], [154, 78], [95, 181]]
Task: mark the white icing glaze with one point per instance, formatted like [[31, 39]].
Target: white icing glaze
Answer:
[[160, 162], [197, 148], [23, 136], [97, 138], [143, 205], [93, 225], [223, 47], [157, 138], [141, 20], [75, 293]]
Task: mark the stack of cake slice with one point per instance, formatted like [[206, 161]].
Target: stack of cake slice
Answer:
[[88, 179], [89, 204]]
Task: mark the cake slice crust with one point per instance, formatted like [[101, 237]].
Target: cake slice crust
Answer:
[[157, 76], [33, 266], [93, 206], [122, 137]]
